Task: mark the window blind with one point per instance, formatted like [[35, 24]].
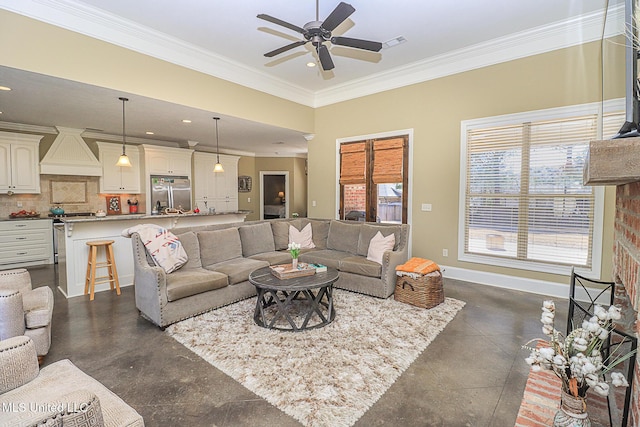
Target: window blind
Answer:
[[524, 194], [352, 163], [388, 160]]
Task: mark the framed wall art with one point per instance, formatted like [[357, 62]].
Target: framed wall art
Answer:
[[113, 205], [244, 184]]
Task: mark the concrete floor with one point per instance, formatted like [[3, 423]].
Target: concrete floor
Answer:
[[472, 374]]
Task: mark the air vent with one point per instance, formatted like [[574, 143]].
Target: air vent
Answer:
[[393, 42]]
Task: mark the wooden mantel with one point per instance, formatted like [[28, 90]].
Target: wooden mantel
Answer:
[[613, 162]]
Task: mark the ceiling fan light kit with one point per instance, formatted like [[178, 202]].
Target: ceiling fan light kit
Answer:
[[317, 32]]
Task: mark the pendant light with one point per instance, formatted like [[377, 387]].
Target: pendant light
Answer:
[[218, 167], [123, 160]]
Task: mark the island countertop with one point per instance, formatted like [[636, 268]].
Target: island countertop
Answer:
[[126, 217], [74, 232]]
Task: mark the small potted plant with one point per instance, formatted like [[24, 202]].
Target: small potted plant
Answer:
[[294, 250]]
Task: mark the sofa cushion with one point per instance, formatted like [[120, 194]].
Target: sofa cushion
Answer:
[[280, 231], [324, 256], [320, 232], [256, 238], [238, 269], [219, 245], [273, 258], [191, 246], [302, 237], [367, 231], [379, 245], [184, 283], [344, 237], [360, 265]]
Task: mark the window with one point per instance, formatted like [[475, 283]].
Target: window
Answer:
[[373, 175], [524, 205]]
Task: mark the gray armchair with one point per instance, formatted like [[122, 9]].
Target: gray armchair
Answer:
[[58, 395], [25, 311]]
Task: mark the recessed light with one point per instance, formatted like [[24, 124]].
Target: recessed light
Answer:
[[149, 132], [311, 64], [186, 121], [4, 88]]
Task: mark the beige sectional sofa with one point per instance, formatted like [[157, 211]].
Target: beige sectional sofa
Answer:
[[221, 257]]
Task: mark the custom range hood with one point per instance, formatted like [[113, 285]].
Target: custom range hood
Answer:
[[70, 155]]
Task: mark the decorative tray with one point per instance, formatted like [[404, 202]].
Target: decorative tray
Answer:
[[286, 271], [18, 215]]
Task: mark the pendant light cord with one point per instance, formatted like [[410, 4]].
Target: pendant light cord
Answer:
[[124, 136], [217, 140]]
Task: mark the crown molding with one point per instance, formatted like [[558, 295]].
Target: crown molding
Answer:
[[21, 127], [558, 35], [92, 22]]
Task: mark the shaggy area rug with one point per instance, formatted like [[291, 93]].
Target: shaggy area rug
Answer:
[[322, 377]]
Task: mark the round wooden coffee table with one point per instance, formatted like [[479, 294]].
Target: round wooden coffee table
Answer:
[[294, 304]]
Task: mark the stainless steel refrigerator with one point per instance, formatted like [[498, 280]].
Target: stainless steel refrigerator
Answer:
[[171, 192]]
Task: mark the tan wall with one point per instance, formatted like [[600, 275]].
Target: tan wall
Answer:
[[247, 166], [434, 110], [50, 50], [297, 198]]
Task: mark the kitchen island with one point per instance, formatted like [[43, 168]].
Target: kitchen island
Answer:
[[74, 233]]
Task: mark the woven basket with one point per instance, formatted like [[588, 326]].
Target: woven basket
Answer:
[[425, 291]]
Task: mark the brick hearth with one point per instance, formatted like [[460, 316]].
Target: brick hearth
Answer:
[[541, 400], [627, 264]]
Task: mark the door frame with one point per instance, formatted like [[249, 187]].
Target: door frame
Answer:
[[286, 190]]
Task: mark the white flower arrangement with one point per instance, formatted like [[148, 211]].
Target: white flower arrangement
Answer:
[[294, 249], [578, 361]]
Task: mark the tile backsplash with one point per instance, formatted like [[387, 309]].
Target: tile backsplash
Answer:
[[91, 201]]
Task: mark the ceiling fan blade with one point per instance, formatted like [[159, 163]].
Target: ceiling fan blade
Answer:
[[357, 43], [339, 14], [285, 48], [282, 23], [325, 58]]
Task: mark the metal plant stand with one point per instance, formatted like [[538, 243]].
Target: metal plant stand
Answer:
[[584, 295]]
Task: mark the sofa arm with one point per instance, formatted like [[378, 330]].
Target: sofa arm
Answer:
[[11, 314], [18, 362], [38, 307], [80, 408], [390, 260], [150, 283]]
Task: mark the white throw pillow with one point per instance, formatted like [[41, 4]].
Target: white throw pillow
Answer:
[[378, 245], [304, 237]]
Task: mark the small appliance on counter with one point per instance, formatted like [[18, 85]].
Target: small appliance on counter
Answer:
[[56, 210]]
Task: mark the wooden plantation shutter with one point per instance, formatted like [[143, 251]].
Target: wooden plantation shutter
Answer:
[[388, 155], [352, 163]]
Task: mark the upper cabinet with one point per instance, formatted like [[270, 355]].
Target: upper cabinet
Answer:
[[118, 179], [167, 161], [19, 167], [217, 190]]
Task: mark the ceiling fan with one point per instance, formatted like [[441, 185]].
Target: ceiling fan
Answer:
[[317, 32]]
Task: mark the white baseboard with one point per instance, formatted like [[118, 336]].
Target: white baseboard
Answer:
[[542, 287]]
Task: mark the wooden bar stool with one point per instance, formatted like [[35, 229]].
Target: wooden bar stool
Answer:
[[92, 264]]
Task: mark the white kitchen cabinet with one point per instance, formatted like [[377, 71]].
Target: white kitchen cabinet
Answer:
[[118, 179], [25, 242], [167, 161], [217, 190], [19, 157]]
